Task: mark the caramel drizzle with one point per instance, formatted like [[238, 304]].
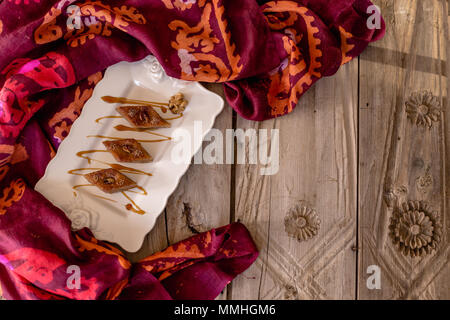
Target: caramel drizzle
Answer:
[[80, 174], [107, 117], [82, 185], [130, 207], [121, 127], [93, 194], [116, 166], [118, 138], [173, 118], [143, 191], [126, 169], [162, 105], [120, 117], [81, 154]]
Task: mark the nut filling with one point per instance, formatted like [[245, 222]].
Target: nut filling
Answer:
[[110, 180], [127, 150], [177, 103], [144, 117]]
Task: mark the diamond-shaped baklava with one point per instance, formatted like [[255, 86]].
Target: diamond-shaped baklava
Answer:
[[144, 117], [127, 150], [110, 180]]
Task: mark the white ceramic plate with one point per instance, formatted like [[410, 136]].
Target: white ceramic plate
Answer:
[[111, 221]]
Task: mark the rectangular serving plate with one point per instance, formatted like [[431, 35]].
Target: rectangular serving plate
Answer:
[[111, 221]]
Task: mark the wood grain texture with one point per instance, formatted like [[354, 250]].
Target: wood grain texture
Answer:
[[317, 171], [399, 160]]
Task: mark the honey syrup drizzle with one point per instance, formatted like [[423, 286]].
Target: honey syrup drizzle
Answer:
[[82, 169], [81, 154], [132, 206], [93, 194], [120, 117], [126, 169], [163, 106], [128, 206], [107, 117], [173, 118], [121, 127], [119, 138], [82, 185], [116, 166]]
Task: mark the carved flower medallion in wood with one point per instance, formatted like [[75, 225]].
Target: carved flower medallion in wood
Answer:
[[423, 108], [415, 229], [302, 223]]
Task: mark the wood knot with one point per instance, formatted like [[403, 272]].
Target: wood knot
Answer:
[[394, 195], [195, 228], [290, 293]]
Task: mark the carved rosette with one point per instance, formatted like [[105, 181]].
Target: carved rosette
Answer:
[[301, 223], [415, 229], [423, 108]]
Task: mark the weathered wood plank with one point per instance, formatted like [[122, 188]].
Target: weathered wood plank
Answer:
[[399, 159], [317, 171], [202, 199]]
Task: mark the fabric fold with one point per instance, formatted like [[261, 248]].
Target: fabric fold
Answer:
[[39, 256]]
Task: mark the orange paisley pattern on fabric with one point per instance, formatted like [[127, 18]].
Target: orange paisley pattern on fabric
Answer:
[[51, 150], [1, 26], [196, 43], [94, 19], [183, 4], [17, 154], [282, 95], [20, 154], [116, 289], [62, 120], [48, 31], [108, 249], [3, 171], [345, 46], [175, 257], [11, 194], [8, 150]]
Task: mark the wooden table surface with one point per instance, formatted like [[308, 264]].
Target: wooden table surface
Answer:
[[349, 152]]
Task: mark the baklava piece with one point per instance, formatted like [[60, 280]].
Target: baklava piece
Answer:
[[143, 117], [177, 103], [110, 180], [127, 150]]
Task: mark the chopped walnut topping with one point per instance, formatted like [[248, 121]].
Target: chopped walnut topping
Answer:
[[109, 180], [143, 116], [128, 148], [177, 103], [132, 112]]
